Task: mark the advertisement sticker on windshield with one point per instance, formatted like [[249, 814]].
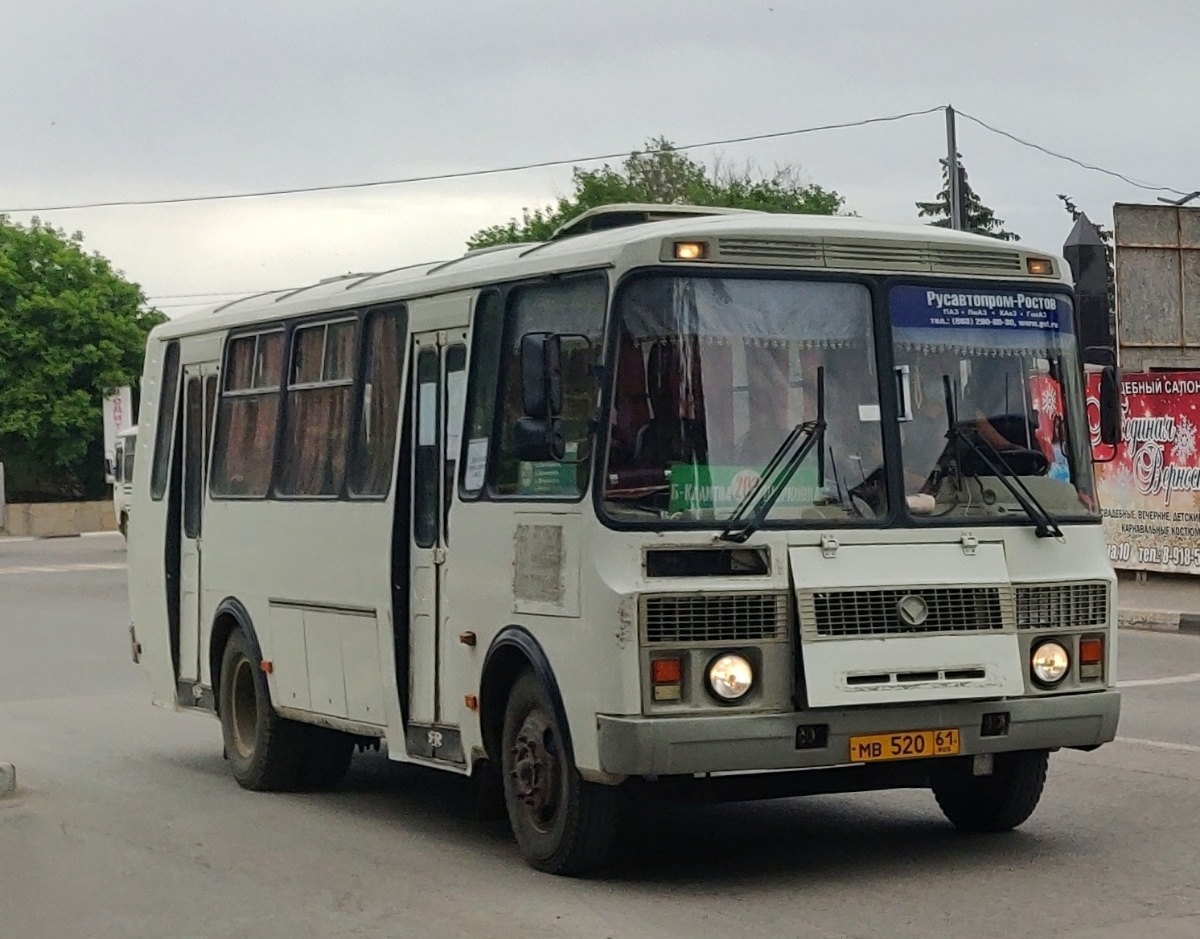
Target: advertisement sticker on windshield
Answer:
[[724, 487], [945, 307]]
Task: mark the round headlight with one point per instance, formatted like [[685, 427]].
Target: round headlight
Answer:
[[1050, 663], [730, 677]]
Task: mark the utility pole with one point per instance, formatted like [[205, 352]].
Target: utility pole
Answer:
[[956, 214]]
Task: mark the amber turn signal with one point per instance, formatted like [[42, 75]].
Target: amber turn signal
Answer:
[[690, 250], [666, 671], [1039, 267], [1091, 651]]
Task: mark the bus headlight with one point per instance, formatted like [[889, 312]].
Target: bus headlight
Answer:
[[730, 677], [1050, 663]]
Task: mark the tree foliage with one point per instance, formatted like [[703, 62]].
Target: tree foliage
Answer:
[[663, 175], [71, 330], [977, 217]]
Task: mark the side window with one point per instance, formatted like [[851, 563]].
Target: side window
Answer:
[[248, 415], [131, 443], [486, 343], [456, 393], [193, 405], [575, 307], [425, 459], [320, 391], [375, 435], [164, 431]]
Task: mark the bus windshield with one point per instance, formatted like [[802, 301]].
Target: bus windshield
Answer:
[[1010, 362], [711, 376]]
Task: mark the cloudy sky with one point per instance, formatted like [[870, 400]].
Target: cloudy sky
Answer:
[[144, 99]]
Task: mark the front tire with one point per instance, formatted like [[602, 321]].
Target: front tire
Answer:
[[563, 824], [999, 802], [265, 751]]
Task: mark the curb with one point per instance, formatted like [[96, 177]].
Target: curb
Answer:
[[8, 779], [1160, 621]]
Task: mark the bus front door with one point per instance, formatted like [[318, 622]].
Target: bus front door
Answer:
[[199, 400], [437, 392]]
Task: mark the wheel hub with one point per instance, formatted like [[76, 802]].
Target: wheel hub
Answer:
[[245, 709], [536, 769]]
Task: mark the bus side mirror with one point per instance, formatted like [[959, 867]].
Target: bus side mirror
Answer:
[[539, 432], [541, 375], [1110, 407]]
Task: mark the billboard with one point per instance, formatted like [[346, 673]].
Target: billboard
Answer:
[[1158, 286], [1149, 488]]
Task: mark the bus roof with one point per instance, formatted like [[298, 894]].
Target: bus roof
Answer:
[[128, 431], [805, 242]]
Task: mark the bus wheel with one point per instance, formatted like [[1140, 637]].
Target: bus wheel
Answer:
[[327, 755], [999, 802], [563, 825], [264, 749]]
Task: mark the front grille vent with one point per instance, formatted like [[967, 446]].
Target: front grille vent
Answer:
[[1064, 606], [734, 617], [952, 259], [847, 613], [885, 256], [781, 251], [869, 256]]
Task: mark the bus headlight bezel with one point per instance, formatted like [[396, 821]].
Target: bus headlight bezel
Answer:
[[1043, 671], [735, 666]]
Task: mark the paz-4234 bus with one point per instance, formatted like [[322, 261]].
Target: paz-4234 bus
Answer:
[[682, 503]]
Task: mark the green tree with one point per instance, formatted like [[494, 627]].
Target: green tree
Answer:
[[661, 174], [72, 329], [977, 217]]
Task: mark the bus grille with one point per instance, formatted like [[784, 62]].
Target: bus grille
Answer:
[[869, 255], [733, 617], [783, 251], [847, 613], [1062, 606]]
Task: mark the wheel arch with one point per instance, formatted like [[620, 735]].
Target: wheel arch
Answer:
[[231, 614], [512, 651]]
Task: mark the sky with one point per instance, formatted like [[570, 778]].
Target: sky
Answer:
[[141, 99]]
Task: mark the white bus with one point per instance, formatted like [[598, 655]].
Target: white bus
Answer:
[[682, 503], [122, 477]]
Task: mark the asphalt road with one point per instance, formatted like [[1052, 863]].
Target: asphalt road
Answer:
[[127, 824]]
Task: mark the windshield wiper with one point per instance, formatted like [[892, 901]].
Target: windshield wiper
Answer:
[[778, 472], [1045, 525]]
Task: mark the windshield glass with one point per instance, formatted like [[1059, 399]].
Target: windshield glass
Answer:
[[712, 374], [1011, 361]]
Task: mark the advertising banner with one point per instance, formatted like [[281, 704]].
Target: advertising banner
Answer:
[[1150, 487], [118, 415]]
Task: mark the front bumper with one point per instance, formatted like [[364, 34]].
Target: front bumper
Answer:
[[657, 746]]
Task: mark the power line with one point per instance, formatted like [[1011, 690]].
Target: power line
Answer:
[[464, 174], [1149, 187]]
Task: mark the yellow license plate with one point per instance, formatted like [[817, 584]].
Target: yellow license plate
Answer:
[[908, 745]]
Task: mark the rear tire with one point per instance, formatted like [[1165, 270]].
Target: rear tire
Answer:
[[999, 802], [563, 825], [265, 751]]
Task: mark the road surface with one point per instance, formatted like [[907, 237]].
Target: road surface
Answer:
[[127, 824]]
